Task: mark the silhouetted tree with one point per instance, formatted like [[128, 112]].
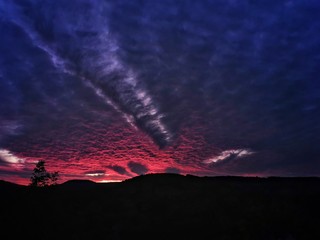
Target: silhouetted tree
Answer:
[[41, 178], [54, 177]]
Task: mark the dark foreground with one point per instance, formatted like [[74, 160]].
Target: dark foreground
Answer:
[[164, 206]]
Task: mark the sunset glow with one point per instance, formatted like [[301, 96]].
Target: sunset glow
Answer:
[[109, 90]]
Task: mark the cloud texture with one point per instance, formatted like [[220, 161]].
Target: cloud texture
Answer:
[[111, 89]]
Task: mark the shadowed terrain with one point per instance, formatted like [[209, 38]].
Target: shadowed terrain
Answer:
[[164, 206]]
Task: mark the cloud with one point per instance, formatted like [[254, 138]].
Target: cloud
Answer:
[[171, 84], [97, 64], [96, 173], [119, 169], [229, 155], [137, 168], [10, 158], [10, 128]]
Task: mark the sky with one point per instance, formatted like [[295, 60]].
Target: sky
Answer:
[[107, 90]]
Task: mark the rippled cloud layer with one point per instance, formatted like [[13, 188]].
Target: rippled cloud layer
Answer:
[[107, 90]]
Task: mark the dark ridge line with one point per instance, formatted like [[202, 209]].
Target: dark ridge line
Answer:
[[169, 176]]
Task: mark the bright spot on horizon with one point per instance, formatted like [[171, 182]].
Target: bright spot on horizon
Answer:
[[109, 181]]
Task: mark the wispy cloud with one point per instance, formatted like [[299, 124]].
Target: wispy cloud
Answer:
[[10, 127], [98, 173], [229, 155], [10, 158], [99, 67]]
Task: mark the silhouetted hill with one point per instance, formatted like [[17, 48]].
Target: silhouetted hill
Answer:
[[78, 183], [4, 183], [9, 186], [166, 206]]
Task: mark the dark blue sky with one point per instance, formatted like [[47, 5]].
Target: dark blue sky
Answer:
[[107, 90]]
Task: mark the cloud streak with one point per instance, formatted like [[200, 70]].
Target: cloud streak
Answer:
[[10, 158], [99, 67], [190, 87], [229, 155]]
